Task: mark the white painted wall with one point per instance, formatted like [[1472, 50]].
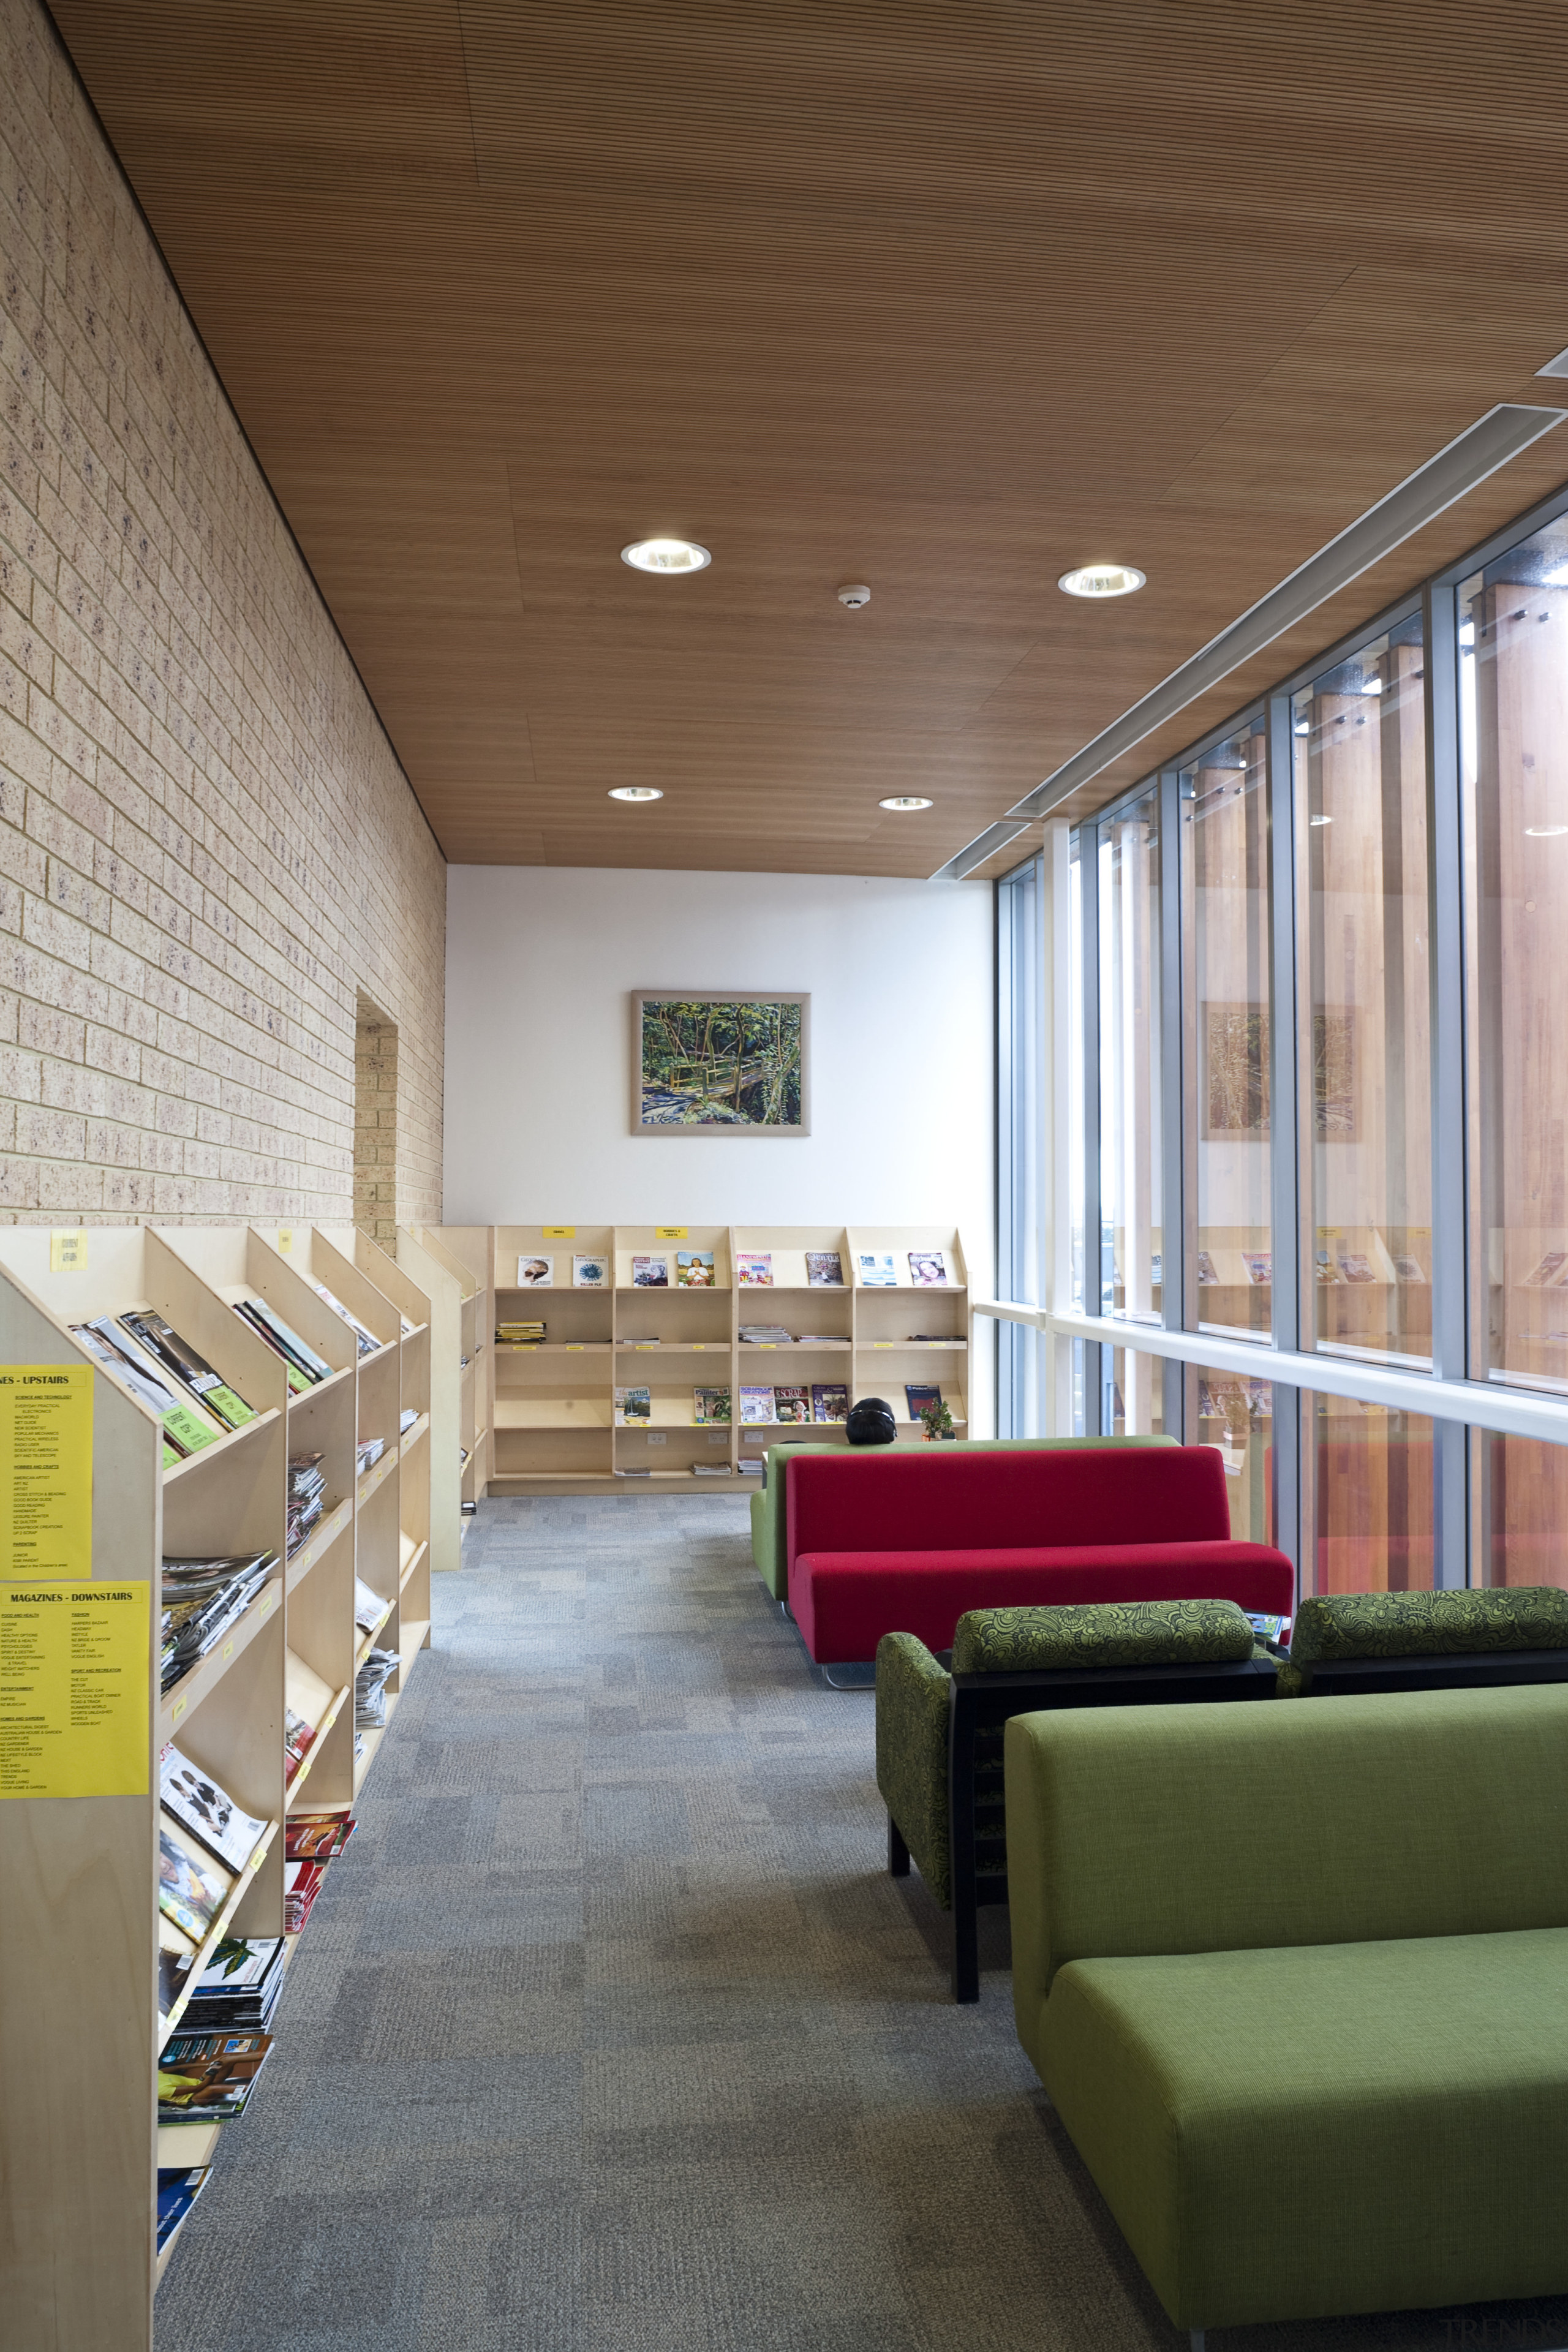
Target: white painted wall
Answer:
[[540, 964]]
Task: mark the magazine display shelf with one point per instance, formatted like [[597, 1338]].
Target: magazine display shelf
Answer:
[[79, 2025], [452, 1264], [551, 1402]]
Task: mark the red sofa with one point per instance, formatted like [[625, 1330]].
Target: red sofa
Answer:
[[906, 1542]]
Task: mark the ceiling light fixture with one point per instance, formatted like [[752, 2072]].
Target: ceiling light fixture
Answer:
[[1303, 727], [1371, 685], [1471, 458], [1319, 820], [1102, 580], [906, 800], [635, 792], [1545, 831], [666, 555]]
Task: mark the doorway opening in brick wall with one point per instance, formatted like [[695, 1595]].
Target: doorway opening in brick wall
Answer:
[[375, 1123]]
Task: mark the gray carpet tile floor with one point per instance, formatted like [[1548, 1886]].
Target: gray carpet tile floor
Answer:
[[610, 2033]]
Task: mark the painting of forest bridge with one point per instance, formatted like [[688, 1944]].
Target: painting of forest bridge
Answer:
[[726, 1065]]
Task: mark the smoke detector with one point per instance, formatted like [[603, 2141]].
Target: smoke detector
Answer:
[[854, 596]]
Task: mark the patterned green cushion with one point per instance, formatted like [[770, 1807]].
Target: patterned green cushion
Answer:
[[913, 1699], [1430, 1624], [1101, 1634]]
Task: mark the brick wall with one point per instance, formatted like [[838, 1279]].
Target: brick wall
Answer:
[[207, 848], [375, 1125]]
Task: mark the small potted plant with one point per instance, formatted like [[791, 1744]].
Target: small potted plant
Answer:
[[936, 1420]]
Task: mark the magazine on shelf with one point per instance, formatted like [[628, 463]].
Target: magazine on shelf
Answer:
[[365, 1340], [302, 1882], [1408, 1269], [186, 1428], [284, 1341], [208, 2077], [650, 1272], [1546, 1270], [192, 1372], [535, 1273], [928, 1269], [877, 1270], [920, 1396], [792, 1404], [694, 1269], [206, 1808], [317, 1837], [824, 1269], [1205, 1268], [754, 1269], [1259, 1265], [829, 1401], [369, 1607], [192, 1887], [590, 1273], [634, 1408], [179, 2186], [1356, 1267], [756, 1404], [1328, 1272], [710, 1405]]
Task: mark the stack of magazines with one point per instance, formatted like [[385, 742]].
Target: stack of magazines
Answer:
[[237, 1990], [307, 1493], [370, 1608], [368, 1452], [370, 1689], [201, 1599], [765, 1335], [179, 2186], [207, 2078], [406, 1419], [303, 1366], [365, 1341]]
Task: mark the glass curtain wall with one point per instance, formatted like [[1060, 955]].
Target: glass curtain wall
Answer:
[[1130, 1094], [1227, 1036], [1369, 1493], [1235, 1412], [1020, 1076]]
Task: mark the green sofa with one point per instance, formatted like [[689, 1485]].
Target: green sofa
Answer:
[[1426, 1641], [1294, 1979], [769, 1545]]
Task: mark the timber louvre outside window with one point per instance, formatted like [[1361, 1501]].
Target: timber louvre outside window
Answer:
[[1308, 1073]]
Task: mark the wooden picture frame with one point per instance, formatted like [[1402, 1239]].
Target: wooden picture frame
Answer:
[[720, 1062]]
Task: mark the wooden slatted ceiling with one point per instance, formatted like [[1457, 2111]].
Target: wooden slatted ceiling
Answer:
[[944, 298]]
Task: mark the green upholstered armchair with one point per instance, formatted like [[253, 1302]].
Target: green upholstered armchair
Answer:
[[1426, 1641], [939, 1734], [769, 1548]]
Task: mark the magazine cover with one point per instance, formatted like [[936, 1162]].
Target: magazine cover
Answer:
[[1205, 1267], [824, 1269], [297, 1737], [192, 1887], [710, 1405], [535, 1273], [829, 1401], [1550, 1266], [1327, 1270], [205, 2076], [754, 1269], [877, 1270], [920, 1396], [178, 2189], [1408, 1269], [928, 1269], [1355, 1267], [198, 1801], [634, 1408], [650, 1272], [792, 1404], [1259, 1265], [239, 1964], [590, 1273], [317, 1837], [694, 1269], [756, 1404]]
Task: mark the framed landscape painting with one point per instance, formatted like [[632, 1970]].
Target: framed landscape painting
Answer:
[[711, 1064]]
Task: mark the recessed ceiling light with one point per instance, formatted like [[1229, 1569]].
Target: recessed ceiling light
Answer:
[[636, 792], [906, 801], [1545, 831], [1101, 580], [1303, 727], [666, 555], [1319, 820]]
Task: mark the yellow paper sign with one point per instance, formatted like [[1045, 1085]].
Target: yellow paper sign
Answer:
[[670, 1232], [75, 1690], [285, 1239], [68, 1251], [559, 1233], [46, 1469]]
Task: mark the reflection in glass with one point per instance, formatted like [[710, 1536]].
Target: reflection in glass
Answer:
[[1129, 1061], [1227, 1051], [1075, 1078], [1369, 1498], [1514, 691], [1523, 1510], [1235, 1413], [1134, 1403], [1361, 764]]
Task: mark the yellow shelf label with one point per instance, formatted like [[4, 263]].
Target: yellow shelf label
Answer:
[[68, 1251], [46, 1469], [75, 1689], [285, 1238], [179, 1707], [559, 1233], [574, 1347], [671, 1233]]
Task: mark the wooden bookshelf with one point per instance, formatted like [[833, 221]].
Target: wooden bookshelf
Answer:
[[552, 1410], [79, 2025]]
